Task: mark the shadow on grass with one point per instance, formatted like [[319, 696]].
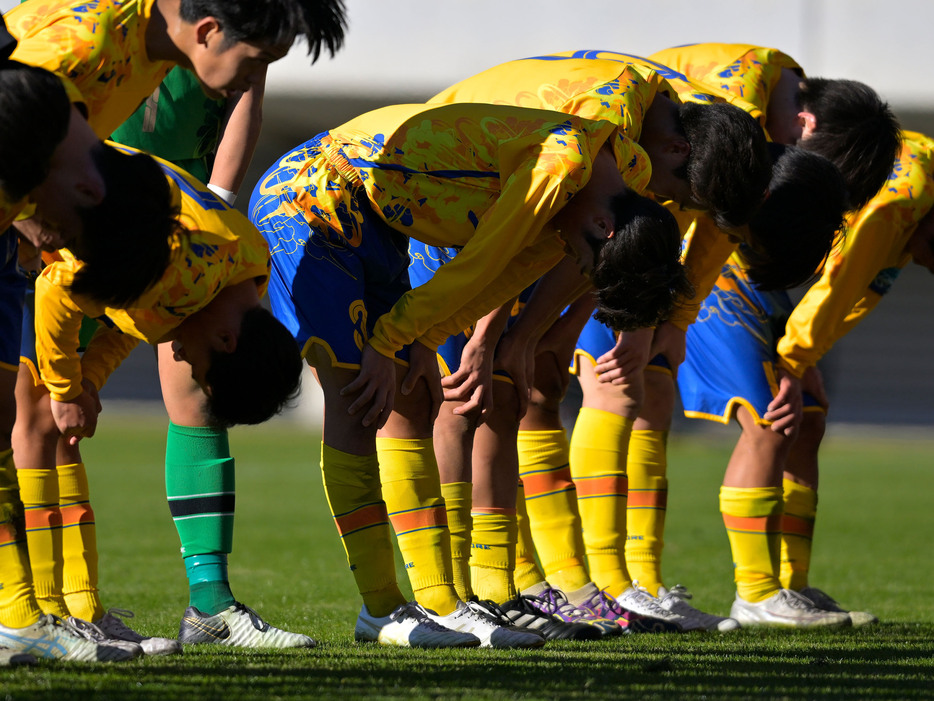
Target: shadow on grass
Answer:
[[888, 661]]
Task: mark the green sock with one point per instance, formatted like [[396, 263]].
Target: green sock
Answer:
[[199, 483]]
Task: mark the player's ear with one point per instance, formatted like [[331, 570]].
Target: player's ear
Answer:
[[207, 31], [225, 341], [808, 123]]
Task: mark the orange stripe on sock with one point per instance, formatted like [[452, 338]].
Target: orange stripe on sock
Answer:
[[7, 534], [648, 499], [40, 518], [80, 514], [795, 525], [418, 519], [364, 517], [546, 482], [753, 524], [602, 486]]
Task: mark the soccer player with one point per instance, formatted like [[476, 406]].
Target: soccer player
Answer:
[[111, 56], [780, 470], [223, 360], [715, 152], [48, 154], [517, 190], [843, 120]]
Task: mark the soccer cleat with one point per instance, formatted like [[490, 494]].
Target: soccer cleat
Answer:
[[12, 658], [825, 602], [675, 600], [409, 625], [788, 609], [555, 603], [601, 604], [638, 600], [115, 629], [52, 638], [484, 621], [236, 626], [523, 614], [92, 632]]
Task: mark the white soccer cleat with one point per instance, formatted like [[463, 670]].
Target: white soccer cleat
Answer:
[[788, 609], [488, 622], [237, 626], [825, 602], [52, 638], [638, 600], [114, 628], [409, 625], [675, 600]]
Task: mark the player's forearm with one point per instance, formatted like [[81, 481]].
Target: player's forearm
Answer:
[[239, 136]]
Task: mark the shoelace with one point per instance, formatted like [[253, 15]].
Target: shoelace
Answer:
[[558, 604], [492, 609], [651, 603], [679, 591], [86, 629], [795, 600], [117, 628], [602, 603], [415, 611]]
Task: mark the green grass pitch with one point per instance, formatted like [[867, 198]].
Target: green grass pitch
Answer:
[[872, 551]]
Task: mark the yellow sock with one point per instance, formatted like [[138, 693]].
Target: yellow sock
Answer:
[[551, 505], [598, 466], [457, 500], [79, 543], [527, 572], [351, 483], [18, 606], [797, 534], [412, 490], [493, 553], [648, 501], [753, 519], [39, 492]]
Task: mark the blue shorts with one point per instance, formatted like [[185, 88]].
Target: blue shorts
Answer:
[[12, 294], [329, 282], [425, 261], [731, 350], [596, 339]]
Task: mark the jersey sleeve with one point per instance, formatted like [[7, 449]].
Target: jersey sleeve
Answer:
[[107, 349], [539, 176], [854, 279], [58, 325]]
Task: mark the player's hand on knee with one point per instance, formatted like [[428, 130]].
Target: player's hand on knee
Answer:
[[786, 409], [627, 358], [375, 387], [77, 418]]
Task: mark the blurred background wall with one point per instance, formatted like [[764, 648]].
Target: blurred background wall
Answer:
[[406, 50]]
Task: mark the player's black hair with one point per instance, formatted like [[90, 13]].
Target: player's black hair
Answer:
[[729, 166], [34, 114], [855, 129], [796, 227], [639, 276], [125, 240], [321, 22], [258, 379]]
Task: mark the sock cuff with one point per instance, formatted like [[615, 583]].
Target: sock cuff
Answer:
[[406, 459], [751, 501], [457, 494], [73, 482], [800, 501], [38, 487], [196, 443], [481, 511]]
